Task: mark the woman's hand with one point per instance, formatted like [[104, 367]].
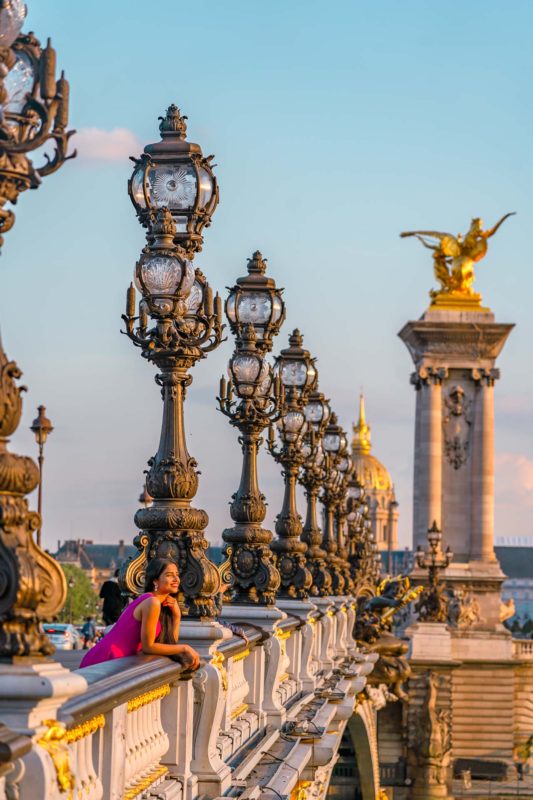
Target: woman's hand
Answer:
[[189, 658], [172, 603]]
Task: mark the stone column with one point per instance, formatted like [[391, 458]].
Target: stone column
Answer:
[[482, 538], [392, 525], [428, 453]]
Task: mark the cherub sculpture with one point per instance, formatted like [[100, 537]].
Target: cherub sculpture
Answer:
[[454, 256]]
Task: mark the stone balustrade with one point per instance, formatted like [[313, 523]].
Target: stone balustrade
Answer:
[[267, 708], [523, 649]]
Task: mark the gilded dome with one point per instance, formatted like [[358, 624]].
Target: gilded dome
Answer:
[[370, 471]]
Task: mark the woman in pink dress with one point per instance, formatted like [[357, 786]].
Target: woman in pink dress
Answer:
[[150, 624]]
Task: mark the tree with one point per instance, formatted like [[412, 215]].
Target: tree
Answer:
[[82, 600]]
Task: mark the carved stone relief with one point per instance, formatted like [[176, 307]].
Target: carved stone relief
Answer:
[[457, 419]]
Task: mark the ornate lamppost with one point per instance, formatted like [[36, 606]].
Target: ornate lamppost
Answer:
[[344, 469], [432, 605], [253, 576], [41, 428], [174, 192], [355, 530], [297, 373], [334, 442], [33, 109], [255, 312], [317, 413]]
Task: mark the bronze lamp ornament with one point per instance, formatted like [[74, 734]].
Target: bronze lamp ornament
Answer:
[[34, 107], [298, 376], [174, 174], [311, 475], [251, 400], [255, 300]]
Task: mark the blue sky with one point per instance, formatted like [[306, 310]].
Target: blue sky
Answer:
[[334, 128]]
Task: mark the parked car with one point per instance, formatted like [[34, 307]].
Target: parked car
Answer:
[[63, 636]]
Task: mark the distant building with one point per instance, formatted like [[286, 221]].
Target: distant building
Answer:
[[98, 561], [377, 483]]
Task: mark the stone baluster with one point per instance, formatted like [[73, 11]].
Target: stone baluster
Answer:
[[211, 694], [84, 741], [176, 717]]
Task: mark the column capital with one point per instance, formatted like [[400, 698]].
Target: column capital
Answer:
[[485, 377], [426, 376]]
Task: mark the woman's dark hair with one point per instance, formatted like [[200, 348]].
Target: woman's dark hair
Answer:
[[154, 569]]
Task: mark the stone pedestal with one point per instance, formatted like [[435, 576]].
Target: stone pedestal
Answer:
[[429, 642]]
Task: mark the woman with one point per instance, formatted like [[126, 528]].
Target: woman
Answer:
[[150, 624]]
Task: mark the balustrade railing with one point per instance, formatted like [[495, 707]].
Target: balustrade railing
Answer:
[[523, 649], [145, 728]]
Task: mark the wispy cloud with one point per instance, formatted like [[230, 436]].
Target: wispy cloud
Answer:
[[95, 144]]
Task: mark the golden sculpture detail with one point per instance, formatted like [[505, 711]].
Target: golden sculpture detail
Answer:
[[55, 742], [454, 258]]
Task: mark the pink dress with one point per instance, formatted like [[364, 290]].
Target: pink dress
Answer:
[[124, 638]]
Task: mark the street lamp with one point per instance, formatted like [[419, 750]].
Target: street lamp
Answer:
[[296, 371], [334, 442], [174, 174], [178, 322], [41, 428], [432, 604], [252, 574], [316, 413], [33, 109], [345, 468]]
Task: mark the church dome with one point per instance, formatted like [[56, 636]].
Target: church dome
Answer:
[[370, 471]]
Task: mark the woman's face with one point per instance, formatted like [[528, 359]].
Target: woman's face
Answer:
[[168, 581]]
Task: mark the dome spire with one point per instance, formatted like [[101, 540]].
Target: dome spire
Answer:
[[361, 432]]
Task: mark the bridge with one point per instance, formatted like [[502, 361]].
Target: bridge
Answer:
[[264, 716]]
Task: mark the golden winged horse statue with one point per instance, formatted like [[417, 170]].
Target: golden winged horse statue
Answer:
[[454, 256]]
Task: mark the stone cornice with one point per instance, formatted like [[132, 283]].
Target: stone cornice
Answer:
[[455, 344]]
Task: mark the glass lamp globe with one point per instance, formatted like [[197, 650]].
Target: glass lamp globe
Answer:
[[296, 367], [248, 370], [12, 15], [334, 439], [173, 173], [244, 371], [292, 426], [19, 82], [434, 537], [317, 411], [163, 277], [255, 300], [344, 464]]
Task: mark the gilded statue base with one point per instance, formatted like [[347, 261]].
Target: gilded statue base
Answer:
[[457, 301]]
